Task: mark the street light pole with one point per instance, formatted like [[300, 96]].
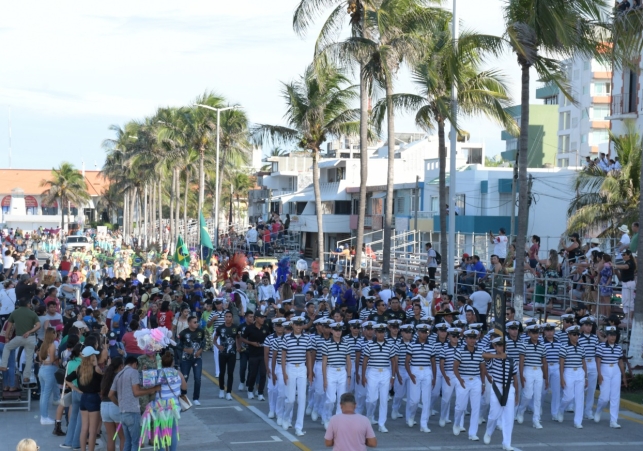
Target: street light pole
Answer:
[[216, 193], [452, 168]]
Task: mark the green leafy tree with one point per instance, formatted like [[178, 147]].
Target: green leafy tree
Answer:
[[66, 185]]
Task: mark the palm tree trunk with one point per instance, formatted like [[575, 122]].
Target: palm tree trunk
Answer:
[[145, 217], [442, 159], [185, 207], [201, 190], [172, 201], [363, 167], [177, 190], [318, 206], [523, 201], [152, 232], [390, 180], [132, 202], [125, 211], [636, 340], [62, 213], [160, 196]]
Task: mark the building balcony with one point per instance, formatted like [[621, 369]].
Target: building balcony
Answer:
[[475, 224], [622, 108], [602, 75], [600, 124], [372, 222], [602, 100]]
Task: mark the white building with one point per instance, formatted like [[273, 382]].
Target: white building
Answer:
[[583, 127]]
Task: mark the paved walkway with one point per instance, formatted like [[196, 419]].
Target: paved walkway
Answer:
[[243, 425]]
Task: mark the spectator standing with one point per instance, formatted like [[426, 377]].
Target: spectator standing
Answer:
[[481, 301], [192, 343], [431, 260], [26, 323], [172, 383], [499, 244], [109, 412], [124, 393], [349, 430]]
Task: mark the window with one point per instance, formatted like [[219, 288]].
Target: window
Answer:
[[435, 204], [301, 206], [576, 74], [574, 122], [583, 138], [460, 202], [342, 207], [563, 144], [328, 208], [585, 65], [599, 112], [585, 114], [565, 120], [355, 206], [504, 204], [585, 89], [598, 137], [399, 205], [563, 162], [602, 88]]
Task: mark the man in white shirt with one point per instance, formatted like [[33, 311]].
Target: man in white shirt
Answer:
[[251, 239], [481, 300], [593, 246], [266, 291], [7, 262], [500, 244], [624, 242], [386, 293]]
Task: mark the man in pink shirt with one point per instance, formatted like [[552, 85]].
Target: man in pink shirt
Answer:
[[349, 431]]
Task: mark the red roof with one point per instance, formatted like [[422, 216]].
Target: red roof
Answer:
[[29, 181]]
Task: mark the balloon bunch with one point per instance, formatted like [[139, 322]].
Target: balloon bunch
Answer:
[[161, 416]]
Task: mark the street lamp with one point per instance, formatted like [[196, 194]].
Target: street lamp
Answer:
[[216, 194]]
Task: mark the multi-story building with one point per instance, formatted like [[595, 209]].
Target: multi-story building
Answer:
[[583, 124], [543, 128]]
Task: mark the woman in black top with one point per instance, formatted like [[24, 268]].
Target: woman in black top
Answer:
[[573, 250], [89, 378], [628, 273]]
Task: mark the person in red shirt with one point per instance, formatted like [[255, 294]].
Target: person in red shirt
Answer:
[[130, 342], [165, 315], [64, 267]]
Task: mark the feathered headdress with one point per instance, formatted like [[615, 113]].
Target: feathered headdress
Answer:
[[153, 340], [283, 269], [234, 268]]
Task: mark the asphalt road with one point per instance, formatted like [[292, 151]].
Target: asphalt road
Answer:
[[242, 424]]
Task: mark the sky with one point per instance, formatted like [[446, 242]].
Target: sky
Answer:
[[68, 70]]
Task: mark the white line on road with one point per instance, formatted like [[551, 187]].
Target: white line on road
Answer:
[[518, 446], [237, 408], [273, 437], [279, 429]]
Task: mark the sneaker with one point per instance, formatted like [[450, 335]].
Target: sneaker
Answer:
[[597, 417], [196, 402], [62, 445], [456, 430], [520, 418], [395, 415], [410, 423], [447, 421], [578, 426], [382, 429], [537, 425], [228, 396], [425, 430], [309, 410], [314, 416], [279, 421], [261, 398], [271, 414], [48, 421], [614, 425], [442, 423], [325, 424], [481, 421], [241, 386], [251, 395], [507, 448], [221, 394], [559, 417], [299, 433], [285, 425], [473, 438], [487, 439]]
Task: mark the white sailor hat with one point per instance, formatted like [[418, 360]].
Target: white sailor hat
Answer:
[[380, 327], [393, 322], [297, 320], [318, 321], [610, 330], [459, 323], [369, 298], [530, 321], [476, 326], [278, 321], [325, 321], [469, 308], [547, 326], [406, 327], [498, 340], [422, 327], [337, 326], [567, 316], [289, 301], [355, 322], [368, 324], [470, 333], [535, 327], [287, 323], [588, 320], [427, 318], [511, 324], [454, 330], [442, 326], [573, 329]]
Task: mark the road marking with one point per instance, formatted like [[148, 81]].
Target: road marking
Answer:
[[516, 447], [225, 407], [273, 437], [291, 438]]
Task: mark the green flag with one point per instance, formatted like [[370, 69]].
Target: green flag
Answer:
[[181, 255], [206, 243]]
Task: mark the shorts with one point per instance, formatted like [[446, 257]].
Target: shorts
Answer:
[[90, 402], [109, 412]]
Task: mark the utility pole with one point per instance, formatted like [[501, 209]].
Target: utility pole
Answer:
[[519, 305], [417, 200], [514, 183], [452, 170]]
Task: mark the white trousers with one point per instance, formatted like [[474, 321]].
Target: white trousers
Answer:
[[351, 387], [503, 415], [336, 387], [280, 389], [533, 390], [471, 392], [401, 390], [447, 394], [272, 390], [592, 380], [574, 391], [317, 390], [610, 390], [435, 391], [296, 388], [553, 372], [378, 383], [360, 397], [420, 392], [216, 357]]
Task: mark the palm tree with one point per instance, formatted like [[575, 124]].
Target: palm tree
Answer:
[[66, 185], [479, 93], [241, 184], [317, 110], [536, 29], [110, 201], [605, 200]]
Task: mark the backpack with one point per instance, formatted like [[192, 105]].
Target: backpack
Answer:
[[49, 278], [438, 258], [73, 277]]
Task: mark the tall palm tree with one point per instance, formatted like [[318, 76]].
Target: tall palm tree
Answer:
[[110, 201], [318, 108], [480, 92], [241, 183], [66, 185], [535, 30]]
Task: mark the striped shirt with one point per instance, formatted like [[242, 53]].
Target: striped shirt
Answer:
[[336, 352], [469, 361], [498, 366], [353, 343], [421, 353], [170, 381], [552, 348], [561, 336], [395, 342], [401, 350], [275, 347], [295, 347], [316, 344], [379, 354], [447, 353], [219, 318], [267, 343], [589, 343], [609, 355], [514, 349], [362, 349], [573, 355], [534, 354], [365, 313]]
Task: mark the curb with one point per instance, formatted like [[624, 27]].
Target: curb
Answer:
[[632, 406]]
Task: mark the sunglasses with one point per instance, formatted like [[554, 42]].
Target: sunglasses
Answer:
[[354, 327], [574, 333], [534, 332], [423, 331], [454, 335], [394, 326]]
